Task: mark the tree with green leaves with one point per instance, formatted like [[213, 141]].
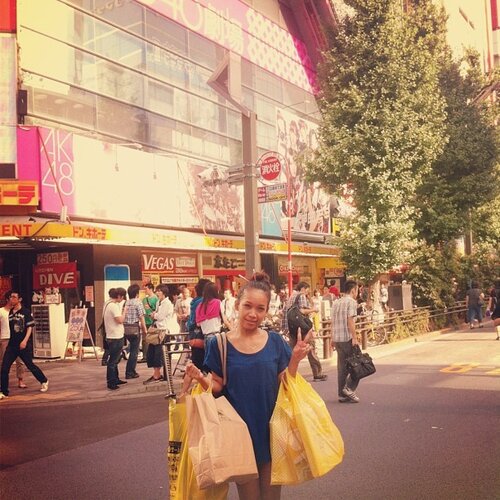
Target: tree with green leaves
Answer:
[[464, 177], [383, 126]]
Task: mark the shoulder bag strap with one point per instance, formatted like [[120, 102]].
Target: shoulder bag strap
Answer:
[[222, 344]]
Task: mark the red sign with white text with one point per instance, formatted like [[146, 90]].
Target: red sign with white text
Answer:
[[55, 275]]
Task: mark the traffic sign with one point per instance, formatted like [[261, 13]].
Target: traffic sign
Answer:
[[270, 167]]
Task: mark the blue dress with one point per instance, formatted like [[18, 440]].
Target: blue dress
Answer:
[[252, 385]]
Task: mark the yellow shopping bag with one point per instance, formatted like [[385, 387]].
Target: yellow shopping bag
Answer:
[[182, 480], [305, 443]]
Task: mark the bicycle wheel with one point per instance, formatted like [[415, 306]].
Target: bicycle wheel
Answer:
[[376, 335]]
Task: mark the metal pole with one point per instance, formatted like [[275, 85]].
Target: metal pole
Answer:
[[249, 140], [289, 226]]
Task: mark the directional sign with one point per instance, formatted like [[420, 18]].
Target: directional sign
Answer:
[[268, 194]]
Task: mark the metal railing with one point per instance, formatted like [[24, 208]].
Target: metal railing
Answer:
[[375, 328]]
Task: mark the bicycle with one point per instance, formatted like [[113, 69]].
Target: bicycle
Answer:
[[371, 322]]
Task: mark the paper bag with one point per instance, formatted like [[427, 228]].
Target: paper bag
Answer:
[[182, 480], [220, 446]]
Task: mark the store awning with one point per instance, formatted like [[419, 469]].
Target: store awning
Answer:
[[16, 230]]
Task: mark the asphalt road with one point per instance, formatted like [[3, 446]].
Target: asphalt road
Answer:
[[427, 426]]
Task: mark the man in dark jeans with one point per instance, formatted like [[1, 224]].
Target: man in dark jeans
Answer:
[[114, 315], [344, 312], [20, 345]]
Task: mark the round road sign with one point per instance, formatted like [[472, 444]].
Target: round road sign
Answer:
[[270, 167]]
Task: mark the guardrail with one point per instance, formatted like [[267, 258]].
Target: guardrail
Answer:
[[375, 328]]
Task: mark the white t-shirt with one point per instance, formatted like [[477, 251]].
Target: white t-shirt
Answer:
[[4, 324], [114, 330]]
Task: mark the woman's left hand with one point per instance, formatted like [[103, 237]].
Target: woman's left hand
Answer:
[[302, 347]]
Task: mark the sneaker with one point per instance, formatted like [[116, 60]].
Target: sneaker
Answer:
[[344, 400], [152, 380], [3, 396], [349, 393], [22, 385], [45, 386], [132, 375], [321, 377]]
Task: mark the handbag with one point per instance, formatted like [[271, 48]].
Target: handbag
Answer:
[[132, 329], [296, 319], [360, 364], [155, 336], [220, 446], [305, 442]]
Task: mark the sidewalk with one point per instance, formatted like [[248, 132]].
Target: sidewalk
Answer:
[[71, 381]]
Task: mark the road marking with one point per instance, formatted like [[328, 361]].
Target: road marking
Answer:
[[459, 368], [496, 371]]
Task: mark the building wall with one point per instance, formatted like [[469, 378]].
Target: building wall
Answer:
[[470, 25]]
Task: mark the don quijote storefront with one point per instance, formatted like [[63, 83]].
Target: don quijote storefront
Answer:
[[170, 268]]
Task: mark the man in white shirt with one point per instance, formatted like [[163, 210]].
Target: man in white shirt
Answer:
[[114, 317], [4, 341]]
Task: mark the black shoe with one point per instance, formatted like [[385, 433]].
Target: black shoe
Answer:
[[321, 377], [346, 400], [121, 382], [132, 375], [113, 387], [143, 361], [104, 362]]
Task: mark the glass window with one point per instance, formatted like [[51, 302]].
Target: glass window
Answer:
[[266, 135], [118, 46], [161, 131], [121, 120], [265, 109], [247, 74], [126, 14], [202, 51], [234, 124], [167, 66], [165, 33], [119, 82], [268, 84], [61, 103], [160, 99]]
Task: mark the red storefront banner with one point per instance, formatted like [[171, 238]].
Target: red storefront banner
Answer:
[[7, 16], [55, 275]]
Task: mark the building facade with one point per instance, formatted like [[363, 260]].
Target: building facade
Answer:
[[112, 135]]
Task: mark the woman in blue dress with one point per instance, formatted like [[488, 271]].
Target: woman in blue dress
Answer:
[[256, 362]]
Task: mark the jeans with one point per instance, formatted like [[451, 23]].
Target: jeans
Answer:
[[133, 343], [13, 351], [475, 312], [115, 354], [344, 350]]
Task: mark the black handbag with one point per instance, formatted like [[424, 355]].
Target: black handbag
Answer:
[[360, 364], [296, 320]]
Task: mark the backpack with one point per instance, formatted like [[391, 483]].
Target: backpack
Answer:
[[296, 320]]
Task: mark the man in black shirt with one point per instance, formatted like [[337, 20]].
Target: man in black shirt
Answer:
[[20, 344]]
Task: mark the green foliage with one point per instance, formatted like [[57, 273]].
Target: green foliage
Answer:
[[434, 272], [409, 324], [383, 127], [464, 177], [482, 266]]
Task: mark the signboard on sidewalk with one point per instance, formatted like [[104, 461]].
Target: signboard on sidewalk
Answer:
[[77, 326]]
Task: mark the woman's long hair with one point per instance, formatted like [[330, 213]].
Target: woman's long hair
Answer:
[[209, 293]]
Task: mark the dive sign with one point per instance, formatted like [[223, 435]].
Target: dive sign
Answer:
[[55, 275]]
